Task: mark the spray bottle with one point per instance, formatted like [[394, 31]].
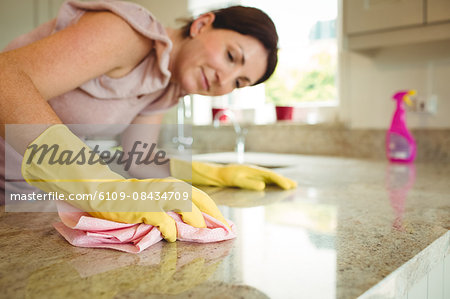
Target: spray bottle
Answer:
[[400, 144]]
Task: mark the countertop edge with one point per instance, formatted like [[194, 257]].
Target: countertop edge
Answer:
[[397, 283]]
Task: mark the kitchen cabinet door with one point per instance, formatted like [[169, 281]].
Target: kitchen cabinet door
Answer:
[[373, 15], [438, 10]]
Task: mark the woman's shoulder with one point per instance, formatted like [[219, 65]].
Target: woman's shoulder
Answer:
[[139, 18], [143, 75]]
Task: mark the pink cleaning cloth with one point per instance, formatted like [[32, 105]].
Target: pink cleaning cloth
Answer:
[[82, 230]]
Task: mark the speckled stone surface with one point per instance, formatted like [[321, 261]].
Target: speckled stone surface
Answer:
[[352, 228]]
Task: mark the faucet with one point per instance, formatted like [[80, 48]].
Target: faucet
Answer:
[[240, 133], [183, 110]]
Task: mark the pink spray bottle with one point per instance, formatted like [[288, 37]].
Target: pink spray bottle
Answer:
[[400, 144]]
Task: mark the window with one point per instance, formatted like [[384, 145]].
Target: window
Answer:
[[306, 73]]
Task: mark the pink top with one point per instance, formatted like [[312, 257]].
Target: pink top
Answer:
[[104, 100]]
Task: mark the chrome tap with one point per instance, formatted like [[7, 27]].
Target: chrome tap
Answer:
[[240, 133], [183, 111]]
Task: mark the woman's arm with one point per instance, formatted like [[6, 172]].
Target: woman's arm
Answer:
[[99, 43]]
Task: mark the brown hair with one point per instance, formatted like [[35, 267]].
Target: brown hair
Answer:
[[247, 21]]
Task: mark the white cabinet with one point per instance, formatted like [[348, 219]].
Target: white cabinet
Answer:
[[371, 15], [370, 24]]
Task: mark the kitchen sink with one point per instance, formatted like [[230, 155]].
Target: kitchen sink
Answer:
[[267, 160]]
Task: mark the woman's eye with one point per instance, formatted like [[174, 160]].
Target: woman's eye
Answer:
[[237, 84], [230, 56]]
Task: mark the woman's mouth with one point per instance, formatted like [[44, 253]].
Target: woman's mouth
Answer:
[[205, 82]]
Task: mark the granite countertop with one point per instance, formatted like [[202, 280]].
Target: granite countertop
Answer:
[[351, 228]]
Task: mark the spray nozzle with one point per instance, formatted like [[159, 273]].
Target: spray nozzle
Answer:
[[404, 96]]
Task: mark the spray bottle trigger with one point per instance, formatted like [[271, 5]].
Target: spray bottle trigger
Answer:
[[406, 97], [407, 100]]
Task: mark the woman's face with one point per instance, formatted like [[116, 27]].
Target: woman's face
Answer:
[[216, 61]]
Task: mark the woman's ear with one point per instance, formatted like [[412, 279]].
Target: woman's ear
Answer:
[[201, 23]]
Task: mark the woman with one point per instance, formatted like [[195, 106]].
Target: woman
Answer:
[[112, 62]]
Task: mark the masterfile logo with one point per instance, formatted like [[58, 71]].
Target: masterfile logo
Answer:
[[95, 156]]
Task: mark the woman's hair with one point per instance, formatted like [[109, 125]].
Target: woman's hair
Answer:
[[247, 21]]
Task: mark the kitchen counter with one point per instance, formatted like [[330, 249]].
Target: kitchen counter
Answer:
[[352, 228]]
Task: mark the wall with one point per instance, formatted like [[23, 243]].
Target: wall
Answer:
[[21, 16], [368, 80], [327, 140], [166, 11]]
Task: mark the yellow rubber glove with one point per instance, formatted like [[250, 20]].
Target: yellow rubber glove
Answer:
[[239, 198], [232, 175], [96, 181]]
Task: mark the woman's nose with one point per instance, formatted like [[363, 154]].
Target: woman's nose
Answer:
[[227, 78]]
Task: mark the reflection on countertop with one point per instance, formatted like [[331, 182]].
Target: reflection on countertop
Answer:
[[347, 227]]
